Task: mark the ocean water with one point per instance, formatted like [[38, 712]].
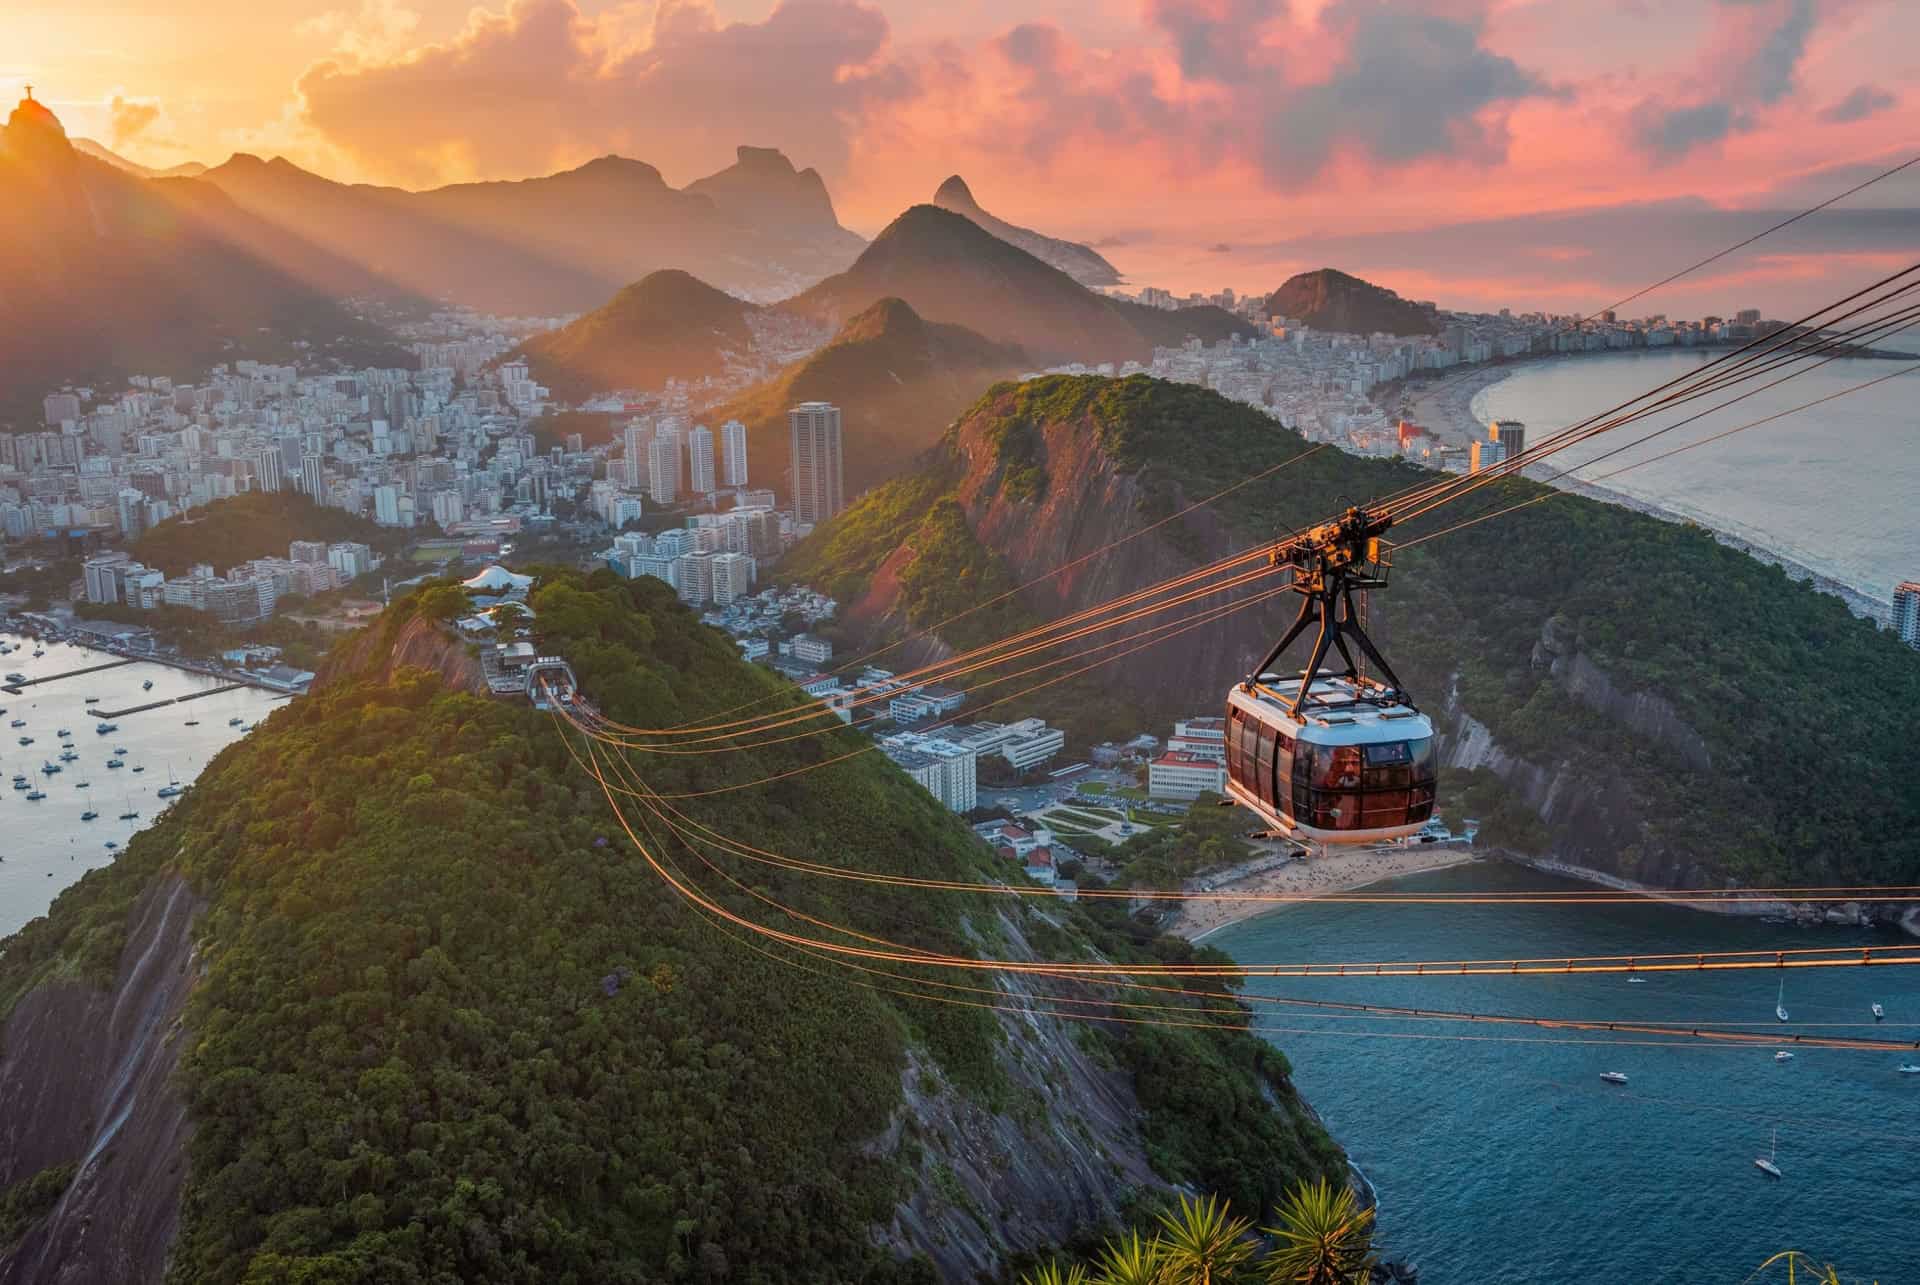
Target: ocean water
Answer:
[[1500, 1156], [44, 845], [1831, 488]]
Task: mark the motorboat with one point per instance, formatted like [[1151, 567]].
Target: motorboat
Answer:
[[91, 700], [16, 678], [235, 721], [1614, 1077], [1766, 1164], [104, 728], [34, 796], [120, 751], [64, 733], [1909, 1068], [1783, 1056], [20, 781], [139, 767], [48, 769], [68, 756], [1636, 981], [116, 762], [18, 722], [1879, 1013], [111, 845], [26, 740], [147, 686]]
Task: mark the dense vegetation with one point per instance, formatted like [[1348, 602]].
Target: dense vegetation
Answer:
[[253, 524], [1772, 748], [453, 1026], [29, 1200], [668, 325], [898, 380]]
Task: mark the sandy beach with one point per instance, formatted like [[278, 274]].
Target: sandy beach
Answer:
[[1318, 877]]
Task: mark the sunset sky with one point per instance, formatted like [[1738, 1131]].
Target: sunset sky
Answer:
[[1481, 152]]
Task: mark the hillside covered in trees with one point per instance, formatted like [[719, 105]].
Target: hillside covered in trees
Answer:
[[1650, 701], [449, 1025], [253, 524]]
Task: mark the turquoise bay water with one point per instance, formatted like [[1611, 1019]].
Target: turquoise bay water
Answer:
[[1499, 1160], [44, 845], [1831, 488]]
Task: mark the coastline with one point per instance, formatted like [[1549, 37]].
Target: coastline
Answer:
[[1325, 876], [1445, 406]]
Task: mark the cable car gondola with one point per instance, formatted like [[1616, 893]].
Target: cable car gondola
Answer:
[[1331, 756]]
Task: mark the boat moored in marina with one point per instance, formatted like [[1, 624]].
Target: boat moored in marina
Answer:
[[89, 815], [104, 728], [34, 796], [116, 763]]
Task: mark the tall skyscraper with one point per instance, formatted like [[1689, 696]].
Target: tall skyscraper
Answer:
[[818, 474], [700, 474], [1906, 612], [733, 453], [1510, 433], [663, 467]]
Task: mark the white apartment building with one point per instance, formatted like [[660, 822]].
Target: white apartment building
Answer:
[[1180, 774], [702, 477], [947, 770], [733, 453], [811, 648], [733, 575], [1025, 744]]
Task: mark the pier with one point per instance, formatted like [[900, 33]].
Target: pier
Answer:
[[16, 688], [171, 700]]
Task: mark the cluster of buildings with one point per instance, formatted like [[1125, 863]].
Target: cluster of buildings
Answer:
[[947, 761], [1193, 762], [249, 591]]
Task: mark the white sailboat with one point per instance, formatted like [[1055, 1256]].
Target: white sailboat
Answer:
[[1780, 1004], [1766, 1163], [1879, 1012]]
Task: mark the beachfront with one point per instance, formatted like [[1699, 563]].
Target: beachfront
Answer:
[[1338, 871]]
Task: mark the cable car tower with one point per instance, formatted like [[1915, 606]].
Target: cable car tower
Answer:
[[1330, 561]]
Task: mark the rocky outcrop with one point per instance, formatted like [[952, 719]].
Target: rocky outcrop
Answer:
[[1647, 714], [419, 643], [1059, 1159], [1083, 263], [86, 1078]]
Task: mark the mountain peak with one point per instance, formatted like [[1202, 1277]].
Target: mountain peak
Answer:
[[33, 130], [1334, 300], [955, 192], [763, 160], [891, 315]]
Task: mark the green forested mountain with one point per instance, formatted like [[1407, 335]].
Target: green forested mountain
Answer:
[[898, 380], [668, 325], [254, 524], [1654, 702], [450, 1026]]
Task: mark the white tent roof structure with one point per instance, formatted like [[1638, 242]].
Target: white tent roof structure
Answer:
[[496, 579]]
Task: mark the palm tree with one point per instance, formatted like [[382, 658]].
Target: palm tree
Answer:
[[1053, 1274], [1323, 1238], [1202, 1244], [1130, 1261]]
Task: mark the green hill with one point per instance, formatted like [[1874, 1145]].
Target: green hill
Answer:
[[668, 325], [950, 269], [1648, 699], [448, 1025], [898, 380], [1328, 299], [256, 524]]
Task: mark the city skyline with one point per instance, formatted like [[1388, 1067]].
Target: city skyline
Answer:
[[1469, 151]]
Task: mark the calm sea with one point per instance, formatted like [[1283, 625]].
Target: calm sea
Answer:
[[1500, 1156], [1831, 488], [44, 845]]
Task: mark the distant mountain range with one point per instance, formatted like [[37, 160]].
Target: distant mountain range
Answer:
[[103, 273], [1083, 263], [898, 379], [1328, 299], [188, 169], [563, 242], [668, 325], [951, 269]]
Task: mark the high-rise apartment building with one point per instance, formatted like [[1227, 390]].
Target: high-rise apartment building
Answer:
[[733, 453], [701, 476], [663, 467], [1484, 455], [818, 472], [1906, 612], [1511, 434]]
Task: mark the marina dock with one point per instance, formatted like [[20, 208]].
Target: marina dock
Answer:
[[16, 688], [171, 700]]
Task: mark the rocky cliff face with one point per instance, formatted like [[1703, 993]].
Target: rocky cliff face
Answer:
[[420, 643], [86, 1078]]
